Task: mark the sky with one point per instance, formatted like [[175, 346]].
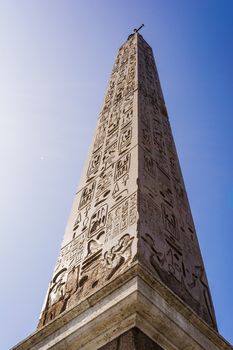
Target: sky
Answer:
[[55, 61]]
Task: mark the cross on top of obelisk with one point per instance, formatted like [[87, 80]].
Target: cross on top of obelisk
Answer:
[[136, 30]]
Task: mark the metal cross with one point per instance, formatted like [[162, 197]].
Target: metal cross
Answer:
[[137, 30]]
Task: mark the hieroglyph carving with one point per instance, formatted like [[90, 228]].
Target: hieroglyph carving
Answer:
[[121, 217]]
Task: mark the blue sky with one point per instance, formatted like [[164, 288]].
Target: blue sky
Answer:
[[56, 58]]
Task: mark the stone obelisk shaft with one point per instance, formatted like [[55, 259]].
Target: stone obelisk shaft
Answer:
[[131, 208]]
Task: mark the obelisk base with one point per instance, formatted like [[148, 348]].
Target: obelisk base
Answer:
[[134, 339], [135, 311]]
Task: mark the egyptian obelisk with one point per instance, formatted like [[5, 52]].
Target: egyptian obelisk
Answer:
[[130, 273]]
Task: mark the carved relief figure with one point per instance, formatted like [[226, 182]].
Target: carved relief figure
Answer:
[[62, 287], [119, 256], [57, 289]]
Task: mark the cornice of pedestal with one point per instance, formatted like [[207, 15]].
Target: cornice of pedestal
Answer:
[[134, 299]]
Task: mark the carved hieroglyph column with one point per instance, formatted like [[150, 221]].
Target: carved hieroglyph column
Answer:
[[131, 206]]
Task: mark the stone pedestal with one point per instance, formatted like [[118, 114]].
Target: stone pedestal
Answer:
[[134, 339]]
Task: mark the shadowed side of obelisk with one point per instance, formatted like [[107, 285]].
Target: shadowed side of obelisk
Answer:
[[168, 241]]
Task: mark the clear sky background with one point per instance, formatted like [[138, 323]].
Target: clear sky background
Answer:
[[55, 61]]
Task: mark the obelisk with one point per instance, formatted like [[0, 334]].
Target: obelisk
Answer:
[[130, 273]]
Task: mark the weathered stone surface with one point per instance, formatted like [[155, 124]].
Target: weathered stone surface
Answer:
[[131, 206], [134, 339]]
